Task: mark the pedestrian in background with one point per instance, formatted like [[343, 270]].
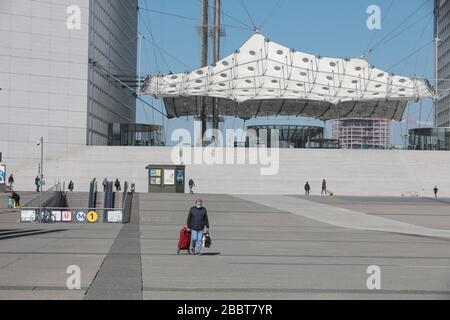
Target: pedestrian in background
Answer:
[[71, 186], [191, 186], [15, 196], [11, 181], [37, 183], [105, 184], [117, 185], [324, 187], [435, 191], [307, 188]]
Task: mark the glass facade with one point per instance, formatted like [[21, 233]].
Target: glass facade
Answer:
[[324, 144], [442, 31], [291, 136], [135, 134], [429, 139]]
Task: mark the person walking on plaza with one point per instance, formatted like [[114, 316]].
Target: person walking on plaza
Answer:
[[191, 186], [324, 187], [307, 188], [37, 183], [11, 181], [105, 184], [70, 186], [117, 185], [197, 222], [435, 191]]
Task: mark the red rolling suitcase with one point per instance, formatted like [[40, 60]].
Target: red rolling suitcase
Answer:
[[185, 240]]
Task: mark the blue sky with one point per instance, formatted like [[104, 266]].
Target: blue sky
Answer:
[[322, 27]]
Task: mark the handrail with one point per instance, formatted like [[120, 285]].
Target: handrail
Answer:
[[44, 193], [126, 204]]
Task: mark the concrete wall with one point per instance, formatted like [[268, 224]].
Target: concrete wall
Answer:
[[348, 172]]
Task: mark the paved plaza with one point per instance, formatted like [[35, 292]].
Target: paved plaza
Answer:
[[264, 247]]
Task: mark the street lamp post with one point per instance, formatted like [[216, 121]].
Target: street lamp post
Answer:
[[41, 170]]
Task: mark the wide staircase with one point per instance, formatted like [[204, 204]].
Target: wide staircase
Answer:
[[348, 172]]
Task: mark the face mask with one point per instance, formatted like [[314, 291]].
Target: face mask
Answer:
[[199, 206]]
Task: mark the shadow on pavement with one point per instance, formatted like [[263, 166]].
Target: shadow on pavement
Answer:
[[211, 253], [203, 253], [14, 233]]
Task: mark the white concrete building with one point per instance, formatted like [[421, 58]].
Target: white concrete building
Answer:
[[49, 88]]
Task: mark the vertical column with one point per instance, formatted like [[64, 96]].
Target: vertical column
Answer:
[[204, 58], [216, 57]]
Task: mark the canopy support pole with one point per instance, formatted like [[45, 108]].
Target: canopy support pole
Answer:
[[436, 57], [204, 59], [216, 57], [139, 63]]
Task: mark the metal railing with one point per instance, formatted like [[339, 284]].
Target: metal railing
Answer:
[[44, 197], [48, 214], [67, 215], [127, 201]]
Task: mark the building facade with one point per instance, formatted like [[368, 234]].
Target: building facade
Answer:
[[363, 133], [437, 139], [136, 134], [113, 33], [290, 136], [442, 32], [49, 87]]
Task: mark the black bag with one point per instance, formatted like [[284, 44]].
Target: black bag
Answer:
[[207, 240]]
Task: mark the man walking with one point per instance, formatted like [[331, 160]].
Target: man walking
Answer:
[[191, 186], [105, 184], [11, 181], [117, 185], [324, 187], [37, 183], [71, 186], [197, 222], [435, 191], [307, 188]]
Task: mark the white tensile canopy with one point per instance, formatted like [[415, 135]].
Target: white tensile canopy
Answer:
[[263, 78]]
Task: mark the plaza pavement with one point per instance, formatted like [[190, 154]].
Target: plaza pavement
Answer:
[[270, 247]]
